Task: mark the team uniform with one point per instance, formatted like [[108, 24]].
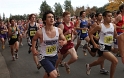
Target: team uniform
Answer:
[[68, 37], [14, 37], [106, 39], [83, 33], [2, 33], [48, 51], [119, 30], [31, 32]]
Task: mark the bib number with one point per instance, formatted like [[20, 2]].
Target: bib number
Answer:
[[14, 36], [108, 39], [50, 49], [83, 31], [32, 33], [68, 37], [2, 32]]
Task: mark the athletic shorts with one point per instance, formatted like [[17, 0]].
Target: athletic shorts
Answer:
[[92, 47], [3, 36], [66, 47], [82, 36], [12, 41], [48, 63], [104, 48], [115, 41]]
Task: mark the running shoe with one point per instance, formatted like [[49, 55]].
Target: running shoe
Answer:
[[58, 74], [3, 47], [39, 66], [88, 69], [67, 68], [103, 71]]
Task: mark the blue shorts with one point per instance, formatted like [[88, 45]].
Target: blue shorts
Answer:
[[48, 63], [82, 36], [115, 42]]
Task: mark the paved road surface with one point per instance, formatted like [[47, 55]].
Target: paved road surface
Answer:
[[25, 67]]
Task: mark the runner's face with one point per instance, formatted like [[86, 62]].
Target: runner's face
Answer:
[[12, 22], [67, 18], [50, 19], [108, 17], [33, 18], [100, 17], [84, 14]]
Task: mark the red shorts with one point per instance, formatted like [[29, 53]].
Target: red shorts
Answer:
[[66, 47]]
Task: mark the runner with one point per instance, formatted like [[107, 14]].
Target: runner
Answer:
[[40, 22], [96, 20], [13, 33], [58, 21], [107, 32], [119, 21], [49, 36], [31, 28], [121, 46], [77, 24], [83, 32], [68, 30], [21, 35], [3, 33]]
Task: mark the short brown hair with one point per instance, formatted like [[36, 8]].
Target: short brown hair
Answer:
[[66, 13], [31, 16]]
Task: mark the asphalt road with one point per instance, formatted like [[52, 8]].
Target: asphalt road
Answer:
[[24, 67]]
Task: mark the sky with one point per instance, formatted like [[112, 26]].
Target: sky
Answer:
[[21, 7]]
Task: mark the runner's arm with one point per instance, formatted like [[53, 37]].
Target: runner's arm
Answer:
[[115, 32], [36, 36], [62, 37], [94, 30]]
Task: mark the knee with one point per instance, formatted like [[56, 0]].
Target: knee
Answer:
[[115, 62], [75, 58], [53, 75]]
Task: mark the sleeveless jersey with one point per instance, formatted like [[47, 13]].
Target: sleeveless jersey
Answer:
[[120, 24], [66, 28], [32, 30], [83, 24], [15, 35], [49, 46], [1, 30], [106, 35]]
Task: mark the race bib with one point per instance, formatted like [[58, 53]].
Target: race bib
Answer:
[[97, 35], [108, 39], [122, 26], [84, 31], [68, 37], [2, 32], [50, 49], [32, 33], [14, 36]]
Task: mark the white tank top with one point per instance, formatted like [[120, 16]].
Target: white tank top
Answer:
[[106, 35], [49, 45]]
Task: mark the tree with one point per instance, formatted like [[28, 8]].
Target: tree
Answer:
[[44, 7], [68, 7], [3, 17], [58, 9], [114, 4], [101, 9], [78, 10]]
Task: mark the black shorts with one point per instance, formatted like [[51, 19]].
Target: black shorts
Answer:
[[104, 48], [12, 41], [92, 47]]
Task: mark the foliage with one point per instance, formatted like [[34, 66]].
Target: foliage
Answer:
[[44, 7]]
